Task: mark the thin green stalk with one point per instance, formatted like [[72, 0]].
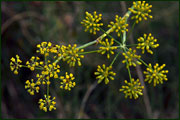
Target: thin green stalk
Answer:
[[129, 72], [24, 66], [87, 44], [114, 59], [45, 58], [127, 16], [124, 38], [128, 68], [109, 35], [143, 62], [38, 68], [47, 92], [58, 59], [95, 41], [94, 51]]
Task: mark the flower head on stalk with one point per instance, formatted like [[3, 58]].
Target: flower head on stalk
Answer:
[[141, 11], [15, 64], [33, 63], [32, 86], [104, 73], [120, 26], [72, 55], [47, 103], [155, 74], [67, 81], [132, 89], [147, 42], [131, 58], [107, 47], [44, 48], [92, 22]]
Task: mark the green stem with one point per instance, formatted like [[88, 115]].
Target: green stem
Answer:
[[97, 40], [109, 35], [143, 62], [47, 92], [124, 38], [114, 59], [88, 52], [87, 44], [45, 58], [94, 51], [37, 68], [127, 16], [128, 68], [129, 72], [58, 59], [24, 66]]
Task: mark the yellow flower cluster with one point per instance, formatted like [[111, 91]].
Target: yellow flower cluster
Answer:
[[31, 86], [15, 64], [146, 42], [41, 79], [44, 48], [107, 47], [131, 58], [104, 73], [71, 55], [49, 71], [67, 81], [33, 63], [47, 103], [156, 74], [119, 26], [132, 89], [92, 22], [59, 50], [141, 11]]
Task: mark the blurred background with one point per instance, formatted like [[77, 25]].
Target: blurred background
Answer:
[[26, 24]]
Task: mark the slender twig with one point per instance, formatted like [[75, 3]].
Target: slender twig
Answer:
[[85, 98], [18, 17], [115, 58]]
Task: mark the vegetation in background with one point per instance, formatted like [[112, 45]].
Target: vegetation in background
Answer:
[[26, 24]]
